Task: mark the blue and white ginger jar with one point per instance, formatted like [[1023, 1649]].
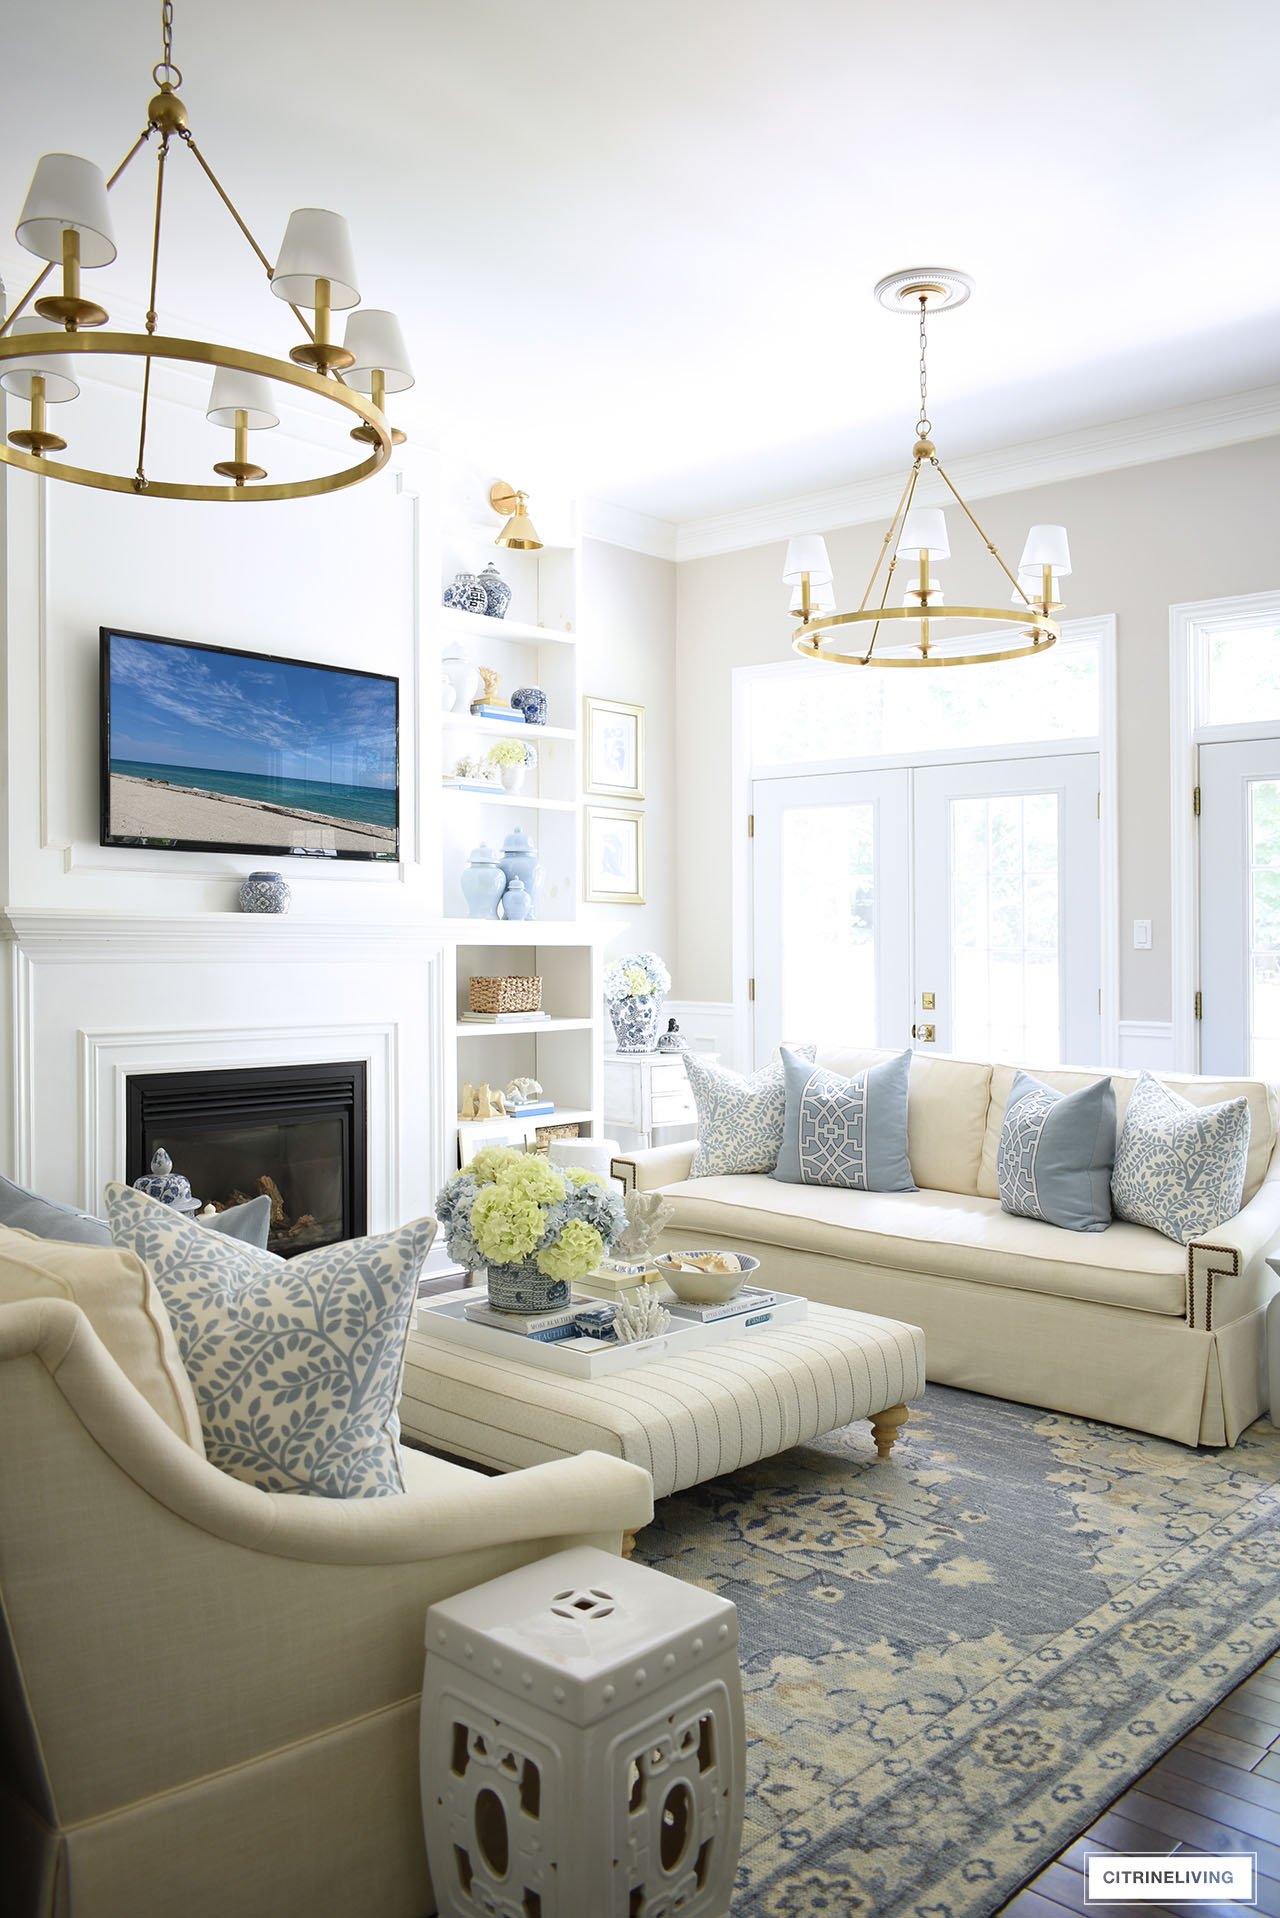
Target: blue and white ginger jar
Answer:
[[166, 1185], [497, 594], [635, 1021], [265, 892]]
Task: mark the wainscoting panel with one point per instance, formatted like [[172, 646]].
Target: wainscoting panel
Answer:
[[708, 1025]]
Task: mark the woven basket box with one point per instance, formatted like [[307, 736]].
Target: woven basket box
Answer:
[[515, 993]]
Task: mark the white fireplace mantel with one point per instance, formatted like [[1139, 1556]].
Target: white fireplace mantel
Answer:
[[95, 997]]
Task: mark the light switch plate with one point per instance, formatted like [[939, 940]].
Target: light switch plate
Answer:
[[1142, 935]]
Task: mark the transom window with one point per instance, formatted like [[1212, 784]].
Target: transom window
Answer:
[[804, 714]]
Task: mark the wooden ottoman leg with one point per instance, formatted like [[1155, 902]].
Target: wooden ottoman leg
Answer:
[[885, 1427]]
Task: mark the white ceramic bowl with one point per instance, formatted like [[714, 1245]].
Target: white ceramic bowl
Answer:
[[704, 1288]]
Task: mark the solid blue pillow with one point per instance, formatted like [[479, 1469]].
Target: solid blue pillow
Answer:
[[845, 1131], [1056, 1154]]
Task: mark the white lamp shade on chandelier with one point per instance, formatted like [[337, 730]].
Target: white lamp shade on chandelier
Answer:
[[235, 392], [925, 531], [54, 368], [912, 595], [316, 246], [375, 338], [67, 192], [807, 553], [1046, 546]]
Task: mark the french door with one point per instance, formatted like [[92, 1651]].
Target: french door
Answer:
[[832, 909], [952, 905], [1240, 908]]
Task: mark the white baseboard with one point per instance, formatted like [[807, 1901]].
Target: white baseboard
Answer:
[[708, 1025], [1149, 1043]]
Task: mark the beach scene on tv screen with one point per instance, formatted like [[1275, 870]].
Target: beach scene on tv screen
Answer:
[[230, 749]]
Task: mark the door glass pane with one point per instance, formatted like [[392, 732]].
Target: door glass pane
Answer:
[[1264, 922], [1241, 674], [1005, 927], [827, 931]]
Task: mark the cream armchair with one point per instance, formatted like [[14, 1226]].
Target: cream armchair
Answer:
[[209, 1695]]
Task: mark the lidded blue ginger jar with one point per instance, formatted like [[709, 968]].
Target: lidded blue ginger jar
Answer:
[[520, 861], [483, 883], [166, 1185], [497, 594]]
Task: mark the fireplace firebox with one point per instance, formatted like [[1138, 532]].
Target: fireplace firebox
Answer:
[[297, 1133]]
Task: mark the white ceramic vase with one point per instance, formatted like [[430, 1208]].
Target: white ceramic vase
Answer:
[[513, 778]]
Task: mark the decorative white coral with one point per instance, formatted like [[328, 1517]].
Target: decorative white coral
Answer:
[[640, 1319], [647, 1214]]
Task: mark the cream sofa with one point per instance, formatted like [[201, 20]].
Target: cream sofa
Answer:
[[209, 1695], [1121, 1325]]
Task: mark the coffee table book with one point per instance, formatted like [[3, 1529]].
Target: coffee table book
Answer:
[[446, 1319]]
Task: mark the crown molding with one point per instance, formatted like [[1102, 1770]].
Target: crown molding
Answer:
[[621, 526], [1195, 428]]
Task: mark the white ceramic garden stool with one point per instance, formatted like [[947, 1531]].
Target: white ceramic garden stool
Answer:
[[582, 1744]]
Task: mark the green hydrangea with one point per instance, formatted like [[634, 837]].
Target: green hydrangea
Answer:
[[491, 1161], [638, 981], [577, 1251], [579, 1175], [533, 1178], [505, 1225]]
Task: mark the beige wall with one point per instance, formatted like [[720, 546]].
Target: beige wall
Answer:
[[629, 653], [1142, 540]]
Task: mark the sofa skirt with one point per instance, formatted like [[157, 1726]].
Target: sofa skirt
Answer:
[[1145, 1370]]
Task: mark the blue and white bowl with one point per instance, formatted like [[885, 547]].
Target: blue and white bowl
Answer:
[[705, 1288]]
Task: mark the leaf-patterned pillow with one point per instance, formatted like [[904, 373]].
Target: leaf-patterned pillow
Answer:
[[1180, 1167], [739, 1119], [296, 1363]]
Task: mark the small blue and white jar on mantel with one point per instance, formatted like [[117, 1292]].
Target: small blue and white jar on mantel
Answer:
[[265, 892]]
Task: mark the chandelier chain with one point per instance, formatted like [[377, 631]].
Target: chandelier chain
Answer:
[[164, 73], [924, 425]]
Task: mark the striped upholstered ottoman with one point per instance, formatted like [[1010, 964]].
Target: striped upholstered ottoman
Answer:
[[683, 1419]]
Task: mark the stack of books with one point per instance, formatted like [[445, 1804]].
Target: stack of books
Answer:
[[502, 1018], [549, 1328], [752, 1298], [480, 710], [531, 1109]]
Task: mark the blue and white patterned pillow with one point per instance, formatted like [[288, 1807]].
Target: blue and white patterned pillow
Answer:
[[1056, 1152], [739, 1119], [846, 1131], [295, 1363], [1180, 1167]]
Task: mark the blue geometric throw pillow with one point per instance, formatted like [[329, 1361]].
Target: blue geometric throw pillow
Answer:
[[846, 1131], [1180, 1167], [295, 1363], [1056, 1153]]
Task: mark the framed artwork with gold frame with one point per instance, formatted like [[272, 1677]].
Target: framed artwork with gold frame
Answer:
[[613, 856], [612, 749]]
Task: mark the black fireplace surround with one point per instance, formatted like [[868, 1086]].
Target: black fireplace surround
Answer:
[[298, 1133]]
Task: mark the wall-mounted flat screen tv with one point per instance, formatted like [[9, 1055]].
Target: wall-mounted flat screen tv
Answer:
[[209, 750]]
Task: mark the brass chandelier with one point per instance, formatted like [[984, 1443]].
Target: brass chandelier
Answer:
[[66, 221], [915, 630]]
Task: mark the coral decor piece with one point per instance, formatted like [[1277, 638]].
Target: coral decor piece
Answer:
[[647, 1214], [640, 1319]]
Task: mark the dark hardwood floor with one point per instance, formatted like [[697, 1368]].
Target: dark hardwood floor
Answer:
[[1217, 1790]]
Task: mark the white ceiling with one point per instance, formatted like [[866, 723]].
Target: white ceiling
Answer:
[[633, 246]]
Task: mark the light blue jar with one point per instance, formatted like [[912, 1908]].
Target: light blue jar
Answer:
[[483, 884], [520, 861], [516, 902]]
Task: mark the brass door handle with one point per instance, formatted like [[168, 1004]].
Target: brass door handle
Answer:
[[927, 1035]]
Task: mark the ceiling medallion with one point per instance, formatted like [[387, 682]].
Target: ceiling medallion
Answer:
[[923, 630], [66, 221]]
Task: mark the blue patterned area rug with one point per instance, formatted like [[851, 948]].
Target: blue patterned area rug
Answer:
[[955, 1659]]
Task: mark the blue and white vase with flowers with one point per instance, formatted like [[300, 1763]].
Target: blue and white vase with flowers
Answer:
[[634, 990], [534, 1227]]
